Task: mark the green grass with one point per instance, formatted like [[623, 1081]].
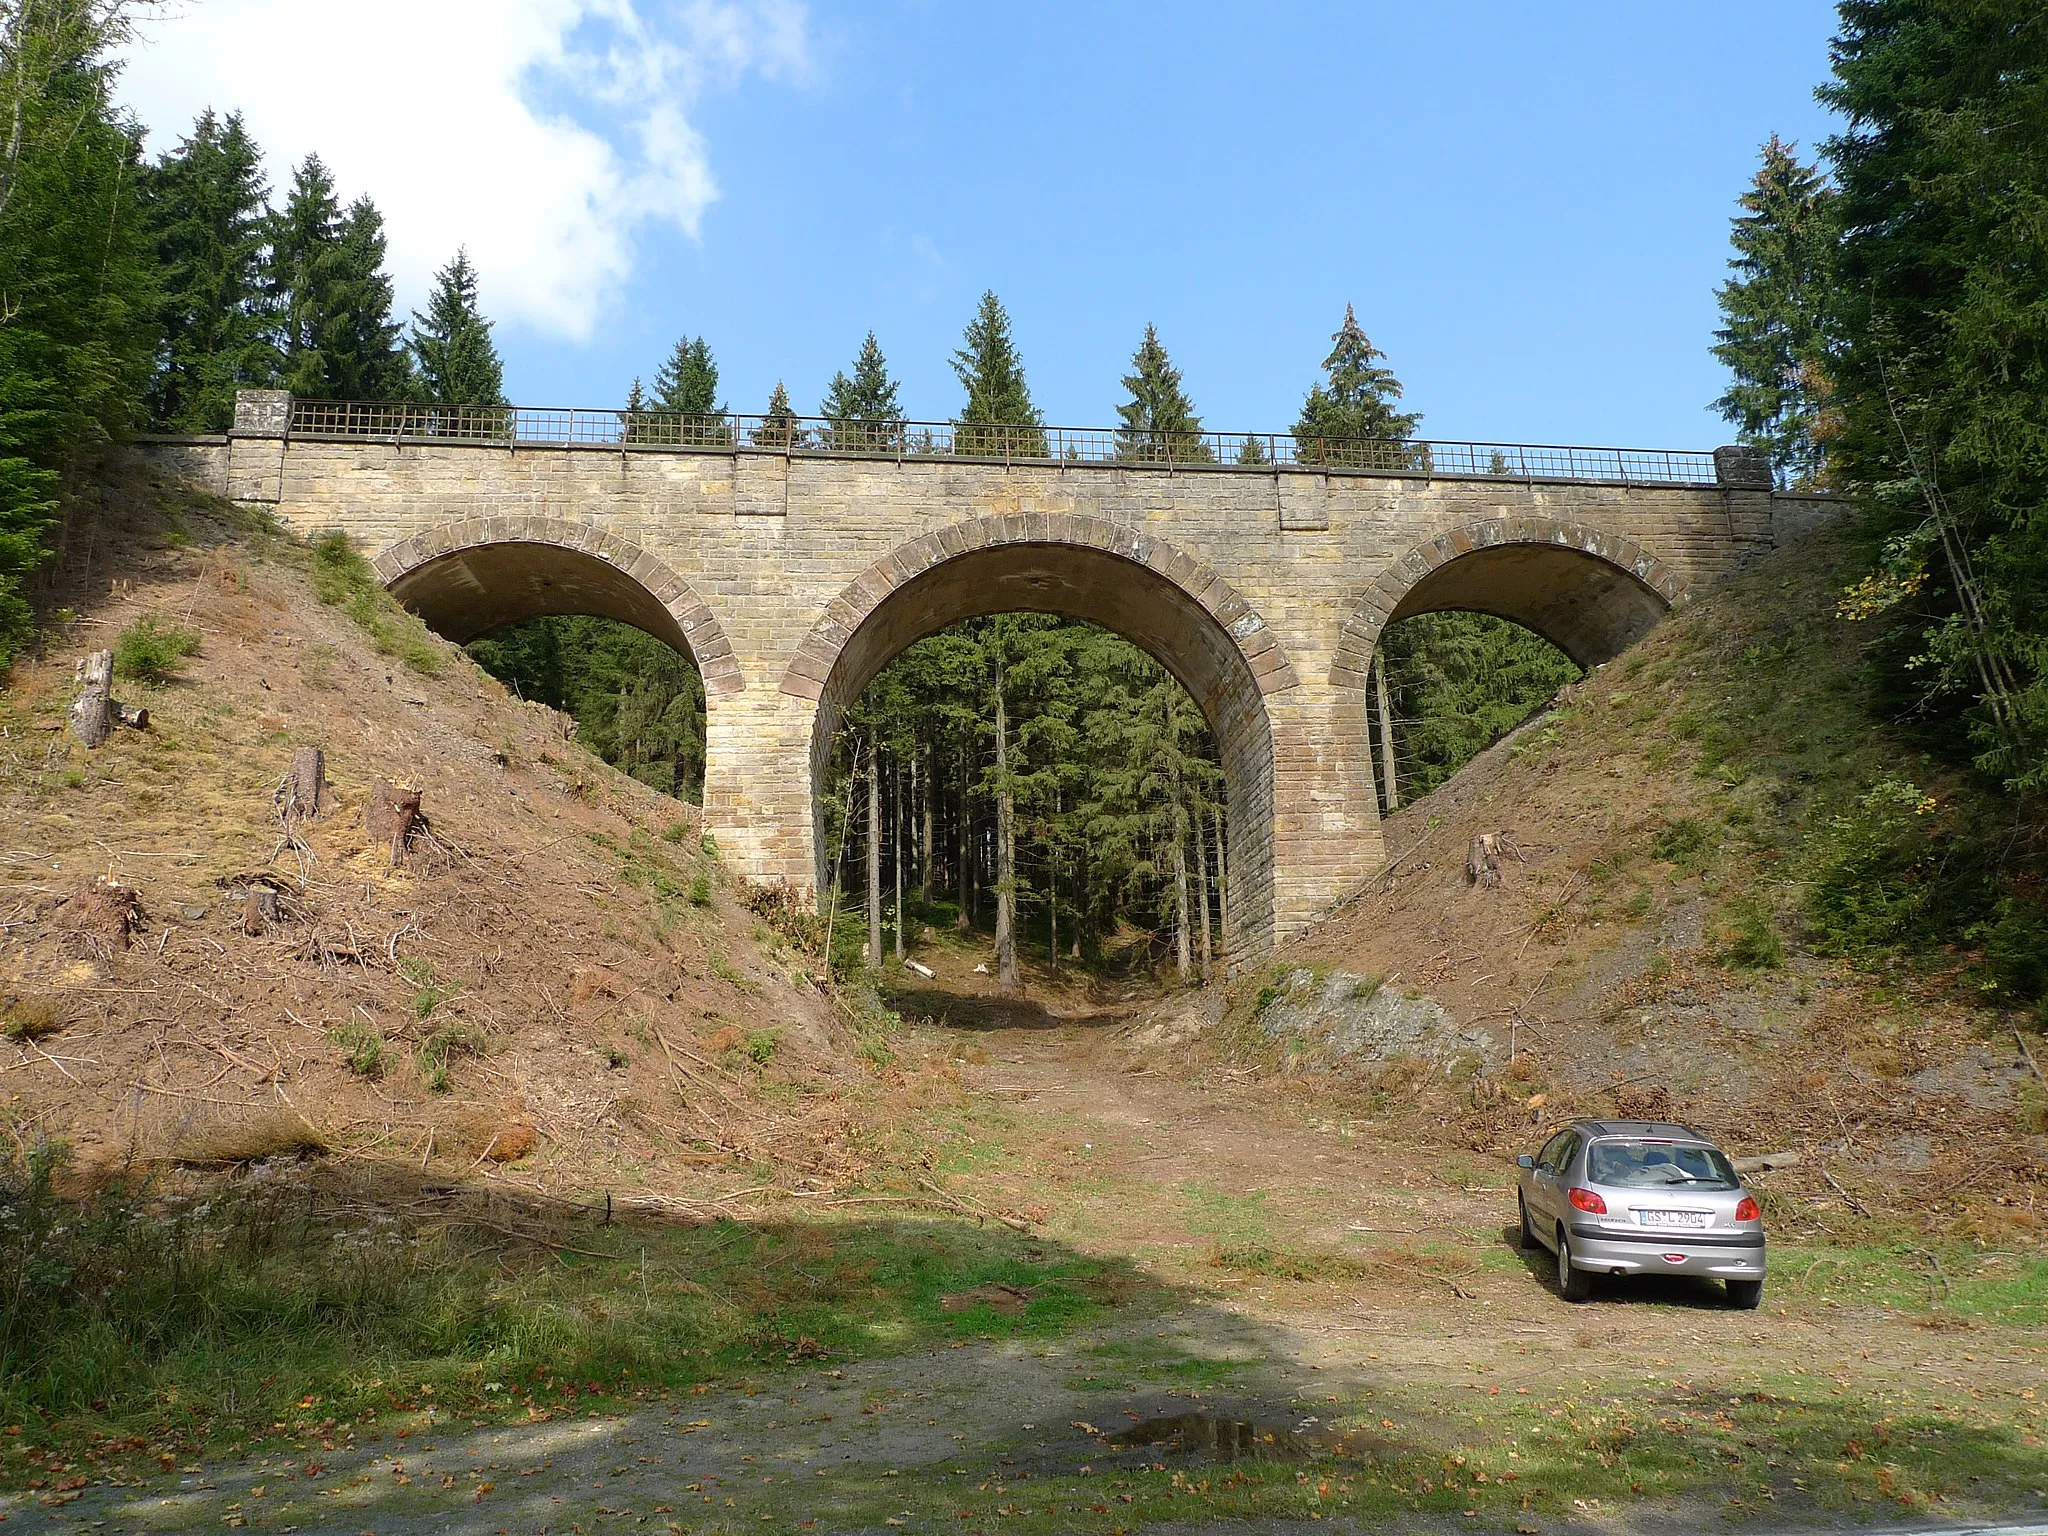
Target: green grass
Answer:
[[342, 578], [1949, 1283], [362, 1048], [246, 1314], [154, 651]]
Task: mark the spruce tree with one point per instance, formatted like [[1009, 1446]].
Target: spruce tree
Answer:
[[998, 418], [864, 410], [1941, 301], [779, 427], [454, 359], [1349, 416], [359, 340], [304, 279], [78, 272], [634, 427], [207, 210], [1775, 313], [687, 386], [1159, 421], [687, 382]]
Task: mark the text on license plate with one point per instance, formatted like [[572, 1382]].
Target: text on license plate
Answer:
[[1673, 1218]]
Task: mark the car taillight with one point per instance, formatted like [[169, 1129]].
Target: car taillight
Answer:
[[1746, 1210], [1586, 1200]]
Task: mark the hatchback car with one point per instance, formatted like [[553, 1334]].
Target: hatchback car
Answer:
[[1637, 1197]]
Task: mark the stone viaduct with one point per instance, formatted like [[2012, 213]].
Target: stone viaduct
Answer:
[[792, 570]]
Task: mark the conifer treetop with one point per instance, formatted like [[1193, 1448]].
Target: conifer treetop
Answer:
[[688, 381], [1159, 420], [1775, 308], [451, 343], [992, 373], [869, 396]]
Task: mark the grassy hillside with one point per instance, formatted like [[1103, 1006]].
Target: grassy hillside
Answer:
[[1725, 896], [558, 982]]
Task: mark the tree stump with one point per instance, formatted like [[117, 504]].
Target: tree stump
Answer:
[[1482, 863], [260, 912], [392, 815], [303, 793], [103, 912], [92, 714]]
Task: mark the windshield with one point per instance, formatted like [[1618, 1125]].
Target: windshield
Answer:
[[1657, 1165]]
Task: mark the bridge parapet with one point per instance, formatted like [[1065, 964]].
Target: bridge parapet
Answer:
[[1230, 452]]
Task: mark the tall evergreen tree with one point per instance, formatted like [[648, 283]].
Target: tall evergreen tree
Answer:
[[207, 205], [78, 280], [1159, 421], [304, 278], [686, 388], [864, 410], [687, 382], [998, 418], [360, 341], [1942, 305], [779, 427], [1774, 337], [455, 360], [1349, 416]]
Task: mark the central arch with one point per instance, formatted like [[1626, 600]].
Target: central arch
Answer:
[[1174, 607]]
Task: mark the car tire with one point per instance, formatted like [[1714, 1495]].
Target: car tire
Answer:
[[1745, 1295], [1573, 1283], [1528, 1233]]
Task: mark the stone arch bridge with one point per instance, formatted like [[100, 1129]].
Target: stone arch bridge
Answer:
[[792, 564]]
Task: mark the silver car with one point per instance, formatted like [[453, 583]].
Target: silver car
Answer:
[[1636, 1197]]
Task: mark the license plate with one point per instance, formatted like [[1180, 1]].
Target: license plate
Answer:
[[1673, 1218]]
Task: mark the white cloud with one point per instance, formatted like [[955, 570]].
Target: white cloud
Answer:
[[542, 134]]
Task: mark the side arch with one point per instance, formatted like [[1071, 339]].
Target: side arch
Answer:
[[1171, 605], [1589, 592], [474, 575]]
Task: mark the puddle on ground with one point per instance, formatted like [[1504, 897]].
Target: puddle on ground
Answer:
[[1221, 1438]]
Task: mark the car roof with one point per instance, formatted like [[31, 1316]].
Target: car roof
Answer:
[[1660, 1130]]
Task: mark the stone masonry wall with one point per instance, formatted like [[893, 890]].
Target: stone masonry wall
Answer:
[[765, 542]]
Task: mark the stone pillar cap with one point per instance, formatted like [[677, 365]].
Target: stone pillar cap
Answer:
[[262, 413]]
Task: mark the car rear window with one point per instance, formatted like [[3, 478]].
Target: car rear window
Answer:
[[1657, 1165]]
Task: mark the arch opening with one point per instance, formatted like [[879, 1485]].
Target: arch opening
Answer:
[[468, 593], [1523, 596], [1586, 605], [586, 623], [1104, 804], [1457, 682], [1117, 593]]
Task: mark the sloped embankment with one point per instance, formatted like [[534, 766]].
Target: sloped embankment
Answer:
[[557, 977], [1684, 837]]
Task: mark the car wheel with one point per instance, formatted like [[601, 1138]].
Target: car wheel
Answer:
[[1745, 1294], [1528, 1237], [1573, 1283]]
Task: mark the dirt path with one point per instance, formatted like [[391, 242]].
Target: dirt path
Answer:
[[1356, 1300]]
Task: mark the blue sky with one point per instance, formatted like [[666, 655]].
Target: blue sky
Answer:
[[1528, 204]]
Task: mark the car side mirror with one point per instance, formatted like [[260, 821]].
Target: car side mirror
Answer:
[[1525, 1161]]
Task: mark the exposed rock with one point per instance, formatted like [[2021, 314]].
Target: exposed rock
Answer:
[[1354, 1016]]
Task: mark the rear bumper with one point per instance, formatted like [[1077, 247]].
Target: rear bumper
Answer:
[[1737, 1256]]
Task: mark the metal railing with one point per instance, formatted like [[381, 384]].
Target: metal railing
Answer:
[[526, 426]]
